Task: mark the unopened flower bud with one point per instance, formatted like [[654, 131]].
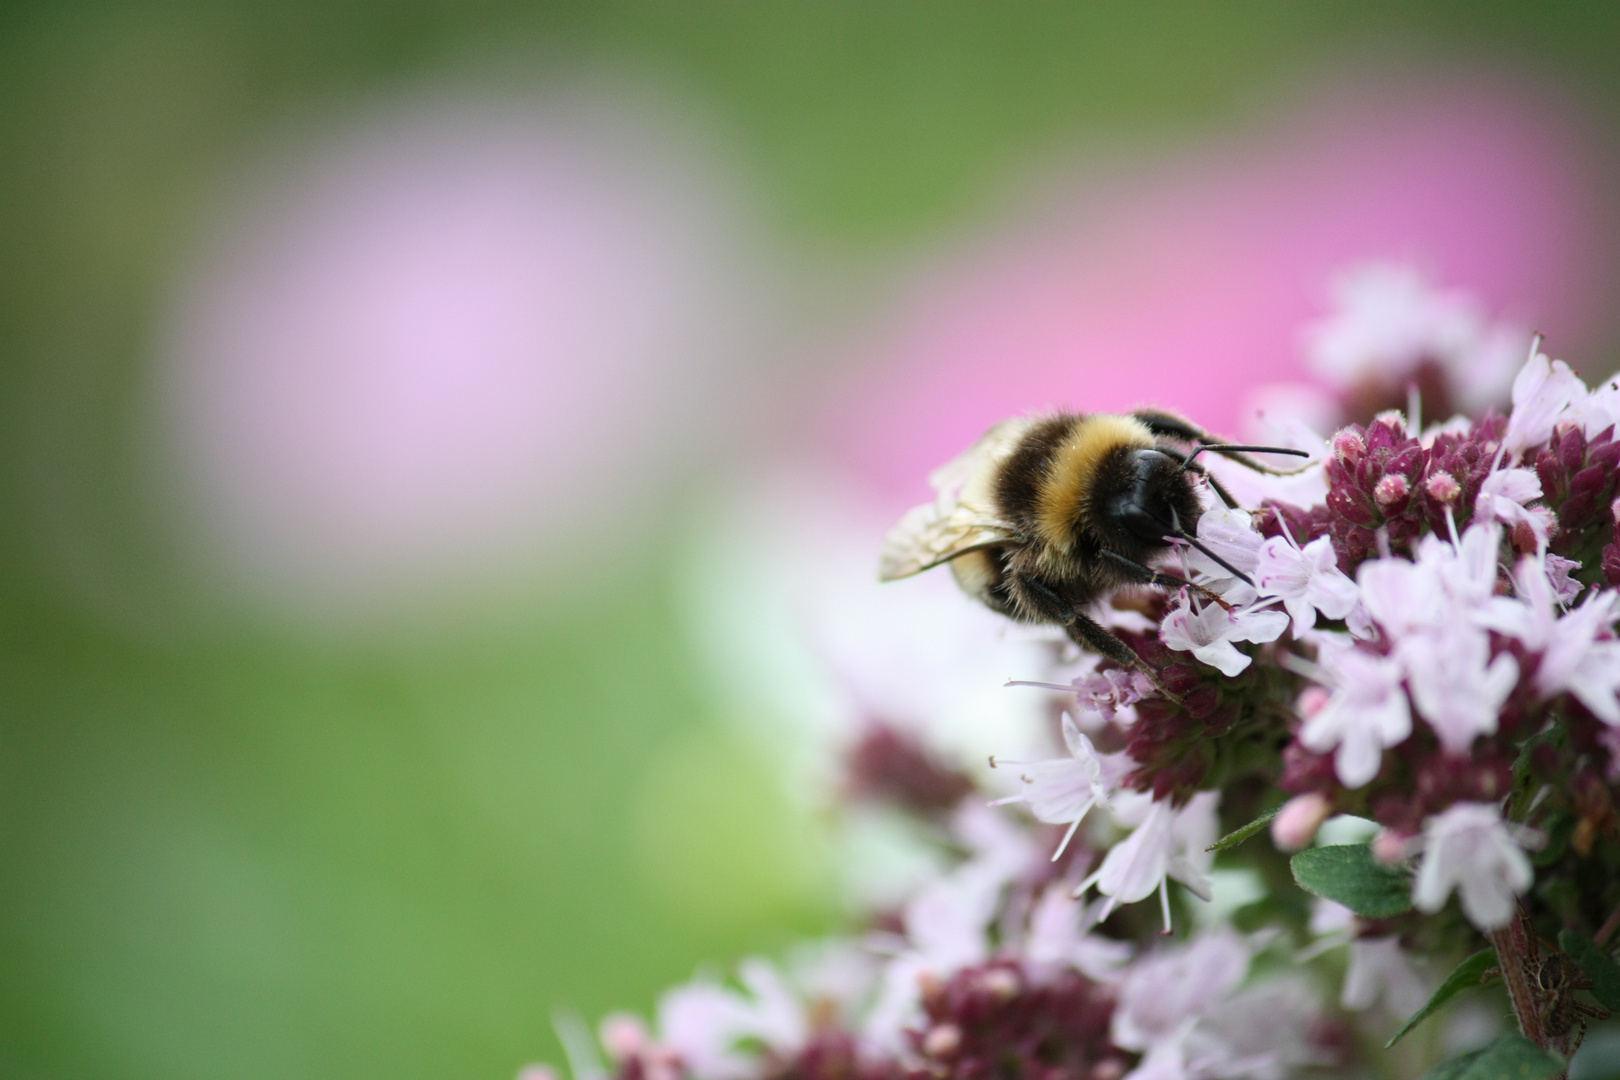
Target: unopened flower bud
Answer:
[[623, 1036], [1392, 489], [1111, 1068], [1312, 700], [1348, 446], [1000, 983], [1614, 511], [1390, 847], [1393, 419], [1443, 487], [1296, 823], [942, 1040]]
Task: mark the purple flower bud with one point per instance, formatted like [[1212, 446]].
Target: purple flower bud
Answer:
[[1391, 491], [1297, 822], [1348, 446], [1443, 488], [942, 1040]]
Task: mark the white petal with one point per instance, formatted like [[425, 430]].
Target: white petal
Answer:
[[1223, 656]]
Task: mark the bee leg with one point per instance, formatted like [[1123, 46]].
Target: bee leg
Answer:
[[1146, 575], [1172, 426], [1088, 633]]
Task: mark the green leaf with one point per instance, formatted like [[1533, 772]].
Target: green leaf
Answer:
[[1242, 833], [1465, 977], [1453, 1069], [1349, 874], [1603, 971], [1512, 1057]]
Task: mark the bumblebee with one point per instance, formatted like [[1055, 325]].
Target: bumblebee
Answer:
[[1046, 515]]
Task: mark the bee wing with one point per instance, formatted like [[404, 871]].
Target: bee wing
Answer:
[[939, 531], [933, 533], [950, 477]]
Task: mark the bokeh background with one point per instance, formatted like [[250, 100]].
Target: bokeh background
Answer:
[[410, 413]]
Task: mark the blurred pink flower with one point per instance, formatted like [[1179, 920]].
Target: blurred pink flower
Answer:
[[462, 330], [1185, 286]]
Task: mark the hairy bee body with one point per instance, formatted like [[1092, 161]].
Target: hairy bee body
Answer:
[[1046, 515]]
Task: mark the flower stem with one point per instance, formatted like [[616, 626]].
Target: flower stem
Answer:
[[1517, 954]]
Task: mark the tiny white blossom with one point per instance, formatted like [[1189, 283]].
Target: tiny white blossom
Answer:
[[1366, 713], [1389, 318], [1542, 391], [1209, 632], [1503, 495], [1401, 597], [1062, 791], [1101, 697], [1380, 970], [1468, 847], [1164, 844], [1169, 987], [1262, 1032], [1598, 410], [1231, 535], [1331, 918], [1531, 613], [946, 926], [1182, 1005], [1564, 587], [1579, 661], [1576, 656], [1060, 937], [1307, 580], [1455, 684], [1434, 609], [705, 1023]]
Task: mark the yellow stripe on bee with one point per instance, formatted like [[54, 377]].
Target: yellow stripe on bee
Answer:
[[1073, 470]]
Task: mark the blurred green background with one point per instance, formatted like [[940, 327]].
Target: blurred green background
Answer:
[[231, 845]]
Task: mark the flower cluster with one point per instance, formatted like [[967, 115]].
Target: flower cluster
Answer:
[[993, 966], [1424, 652]]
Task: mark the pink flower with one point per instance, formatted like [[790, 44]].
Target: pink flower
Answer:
[[1542, 391], [1177, 286], [1577, 656], [1209, 633], [1455, 684], [1564, 587], [1389, 318], [706, 1024], [1296, 823], [1596, 411], [1063, 790], [1379, 969], [1231, 535], [1367, 712], [1171, 986], [1578, 660], [1307, 580], [1059, 936], [1164, 844], [1469, 848], [1503, 495]]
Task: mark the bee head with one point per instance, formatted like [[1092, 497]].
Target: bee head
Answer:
[[1149, 498]]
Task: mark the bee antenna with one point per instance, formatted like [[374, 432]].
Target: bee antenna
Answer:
[[1181, 533], [1221, 448]]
